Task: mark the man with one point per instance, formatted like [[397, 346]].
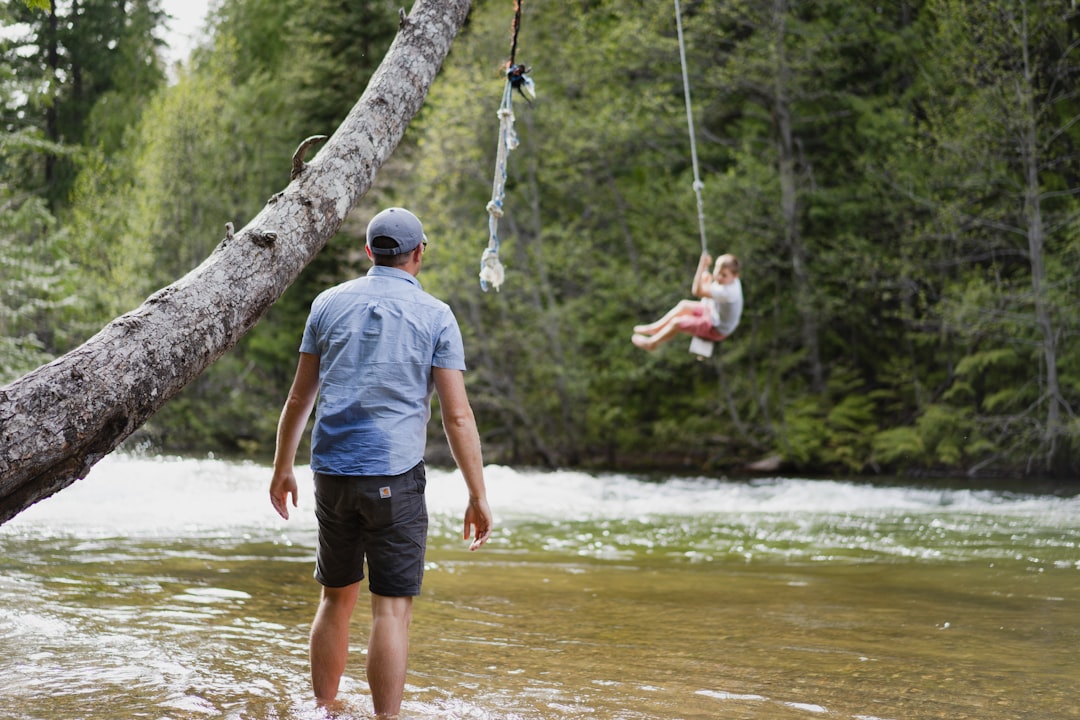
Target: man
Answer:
[[373, 351]]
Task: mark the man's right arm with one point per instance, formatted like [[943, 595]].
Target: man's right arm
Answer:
[[291, 424]]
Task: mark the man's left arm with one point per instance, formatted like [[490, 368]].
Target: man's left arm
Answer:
[[459, 423]]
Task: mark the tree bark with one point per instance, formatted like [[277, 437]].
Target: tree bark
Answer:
[[787, 170], [1026, 92], [59, 420]]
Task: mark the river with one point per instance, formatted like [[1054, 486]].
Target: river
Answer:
[[168, 589]]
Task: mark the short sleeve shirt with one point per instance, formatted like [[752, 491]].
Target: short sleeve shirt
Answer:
[[377, 338], [727, 306]]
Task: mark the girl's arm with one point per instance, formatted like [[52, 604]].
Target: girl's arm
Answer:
[[702, 277]]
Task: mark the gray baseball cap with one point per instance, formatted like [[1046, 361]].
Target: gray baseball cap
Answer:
[[394, 231]]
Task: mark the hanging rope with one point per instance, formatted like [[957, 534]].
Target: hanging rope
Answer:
[[698, 185], [700, 347], [492, 273]]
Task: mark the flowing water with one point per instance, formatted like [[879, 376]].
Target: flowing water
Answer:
[[168, 589]]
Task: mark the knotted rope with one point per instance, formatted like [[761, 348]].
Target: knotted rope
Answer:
[[492, 272]]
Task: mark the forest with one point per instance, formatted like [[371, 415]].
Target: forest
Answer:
[[899, 179]]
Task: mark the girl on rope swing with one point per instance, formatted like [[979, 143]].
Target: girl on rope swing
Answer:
[[714, 317]]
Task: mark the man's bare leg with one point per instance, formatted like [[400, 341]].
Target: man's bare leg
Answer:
[[330, 641], [388, 652]]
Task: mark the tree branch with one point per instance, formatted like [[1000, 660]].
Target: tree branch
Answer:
[[57, 421]]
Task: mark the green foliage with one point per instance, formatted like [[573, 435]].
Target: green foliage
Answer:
[[833, 430], [1002, 129], [69, 57], [943, 437], [900, 447], [30, 274], [33, 266], [899, 180]]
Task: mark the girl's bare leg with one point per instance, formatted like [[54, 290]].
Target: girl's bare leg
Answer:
[[680, 308]]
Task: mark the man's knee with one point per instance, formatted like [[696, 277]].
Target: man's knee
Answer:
[[398, 608]]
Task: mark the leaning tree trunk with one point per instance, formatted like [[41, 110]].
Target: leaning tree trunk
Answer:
[[59, 420]]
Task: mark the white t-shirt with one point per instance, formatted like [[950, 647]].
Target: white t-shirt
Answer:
[[727, 306]]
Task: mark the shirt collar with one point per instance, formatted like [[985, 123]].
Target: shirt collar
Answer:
[[392, 272]]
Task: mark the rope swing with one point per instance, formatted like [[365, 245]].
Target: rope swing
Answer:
[[698, 185], [699, 346], [492, 273]]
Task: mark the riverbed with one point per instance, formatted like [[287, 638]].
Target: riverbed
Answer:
[[167, 588]]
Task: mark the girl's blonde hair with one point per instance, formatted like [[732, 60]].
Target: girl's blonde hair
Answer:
[[728, 261]]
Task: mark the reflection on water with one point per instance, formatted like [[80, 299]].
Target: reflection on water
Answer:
[[168, 589]]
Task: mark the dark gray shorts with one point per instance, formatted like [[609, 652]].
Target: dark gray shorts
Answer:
[[382, 518]]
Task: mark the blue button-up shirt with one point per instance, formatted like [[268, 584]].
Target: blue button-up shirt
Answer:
[[377, 338]]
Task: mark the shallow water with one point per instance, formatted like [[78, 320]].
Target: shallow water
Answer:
[[168, 589]]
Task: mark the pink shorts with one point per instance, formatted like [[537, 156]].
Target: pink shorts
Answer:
[[698, 322]]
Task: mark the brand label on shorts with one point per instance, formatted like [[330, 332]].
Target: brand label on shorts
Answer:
[[384, 492]]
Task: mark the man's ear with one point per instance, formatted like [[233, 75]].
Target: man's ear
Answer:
[[368, 251]]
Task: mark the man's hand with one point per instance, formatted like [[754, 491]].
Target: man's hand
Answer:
[[294, 416], [283, 485], [477, 522]]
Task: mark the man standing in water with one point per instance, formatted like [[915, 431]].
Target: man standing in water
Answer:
[[374, 350]]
